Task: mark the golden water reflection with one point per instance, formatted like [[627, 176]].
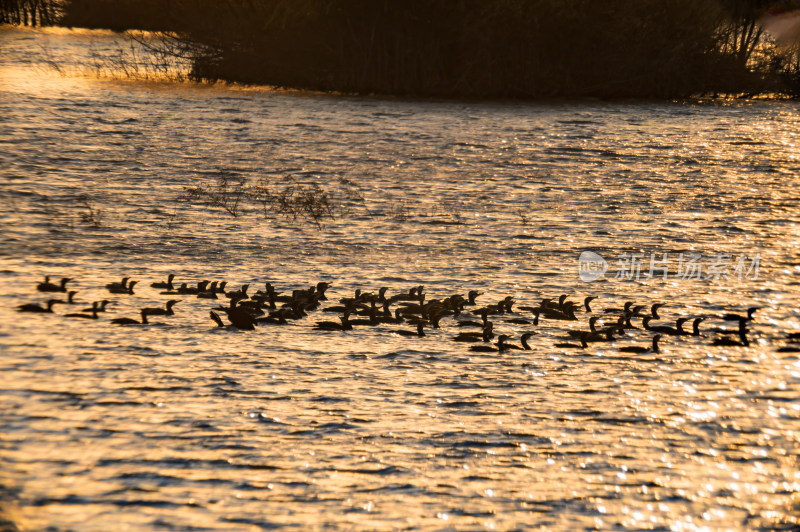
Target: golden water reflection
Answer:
[[182, 425]]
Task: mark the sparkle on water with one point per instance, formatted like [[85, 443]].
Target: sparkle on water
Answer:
[[183, 426]]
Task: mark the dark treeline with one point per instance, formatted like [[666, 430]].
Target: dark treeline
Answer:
[[467, 48], [121, 15], [474, 48], [471, 48], [30, 12]]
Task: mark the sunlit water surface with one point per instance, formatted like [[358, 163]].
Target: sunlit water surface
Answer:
[[187, 427]]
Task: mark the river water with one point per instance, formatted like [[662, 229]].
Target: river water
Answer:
[[185, 426]]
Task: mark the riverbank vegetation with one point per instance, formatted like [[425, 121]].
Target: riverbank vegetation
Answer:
[[468, 48], [30, 12]]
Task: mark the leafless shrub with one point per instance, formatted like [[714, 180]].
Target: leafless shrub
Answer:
[[261, 193], [289, 198], [296, 200], [523, 215], [64, 213], [350, 196], [227, 193], [448, 211], [90, 213], [172, 217], [399, 210]]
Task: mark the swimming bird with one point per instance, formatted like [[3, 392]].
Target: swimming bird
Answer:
[[605, 335], [793, 339], [503, 345], [372, 314], [742, 342], [624, 322], [238, 294], [625, 309], [524, 321], [561, 302], [568, 314], [468, 337], [184, 288], [592, 329], [414, 294], [637, 311], [349, 307], [483, 313], [276, 318], [240, 318], [654, 310], [97, 306], [93, 308], [471, 295], [418, 332], [333, 326], [131, 321], [34, 307], [583, 344], [323, 286], [70, 298], [216, 318], [729, 342], [211, 293], [483, 348], [737, 317], [788, 349], [166, 311], [586, 302], [664, 329], [387, 317], [352, 300], [563, 310], [641, 349], [167, 285], [502, 307], [122, 285], [695, 327], [92, 316], [47, 286], [599, 335], [484, 335], [120, 290], [524, 340]]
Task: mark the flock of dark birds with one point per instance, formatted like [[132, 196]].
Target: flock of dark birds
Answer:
[[411, 309]]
